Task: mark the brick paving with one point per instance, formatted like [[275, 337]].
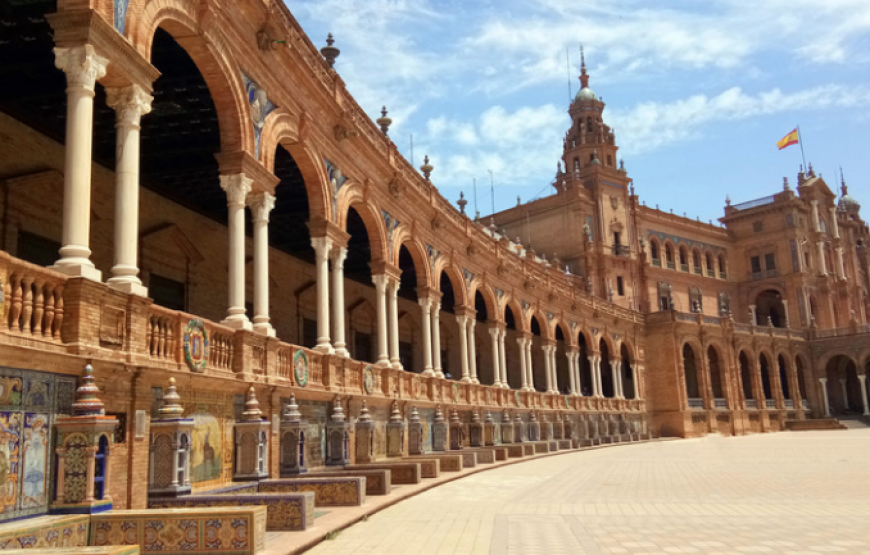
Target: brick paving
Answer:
[[794, 493]]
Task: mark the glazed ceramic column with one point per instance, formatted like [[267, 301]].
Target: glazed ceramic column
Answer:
[[863, 380], [237, 187], [472, 350], [322, 246], [494, 333], [380, 282], [463, 347], [130, 104], [83, 67], [339, 254], [827, 406], [436, 338], [502, 358], [425, 318], [521, 342], [261, 205], [393, 306]]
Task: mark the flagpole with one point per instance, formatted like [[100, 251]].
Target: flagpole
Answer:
[[801, 143]]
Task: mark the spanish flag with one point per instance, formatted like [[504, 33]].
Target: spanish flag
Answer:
[[790, 139]]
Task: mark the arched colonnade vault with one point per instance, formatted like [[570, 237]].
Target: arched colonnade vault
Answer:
[[204, 118]]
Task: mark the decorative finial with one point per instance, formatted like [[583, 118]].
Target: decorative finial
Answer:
[[384, 121], [810, 172], [584, 78], [843, 190], [506, 417], [595, 159], [631, 188], [395, 415], [492, 227], [252, 407], [475, 417], [454, 417], [785, 186], [291, 412], [727, 200], [462, 202], [518, 200], [337, 411], [488, 418], [330, 52], [426, 168], [364, 415], [439, 416], [171, 403], [622, 165], [87, 403]]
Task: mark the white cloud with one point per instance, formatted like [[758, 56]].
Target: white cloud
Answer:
[[652, 125]]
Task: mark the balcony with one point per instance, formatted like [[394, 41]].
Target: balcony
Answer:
[[621, 250], [722, 275], [770, 404], [699, 271], [751, 404], [711, 273], [720, 404], [671, 265], [657, 262], [696, 403], [684, 267]]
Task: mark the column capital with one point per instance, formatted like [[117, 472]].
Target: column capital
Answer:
[[236, 186], [322, 227], [261, 204], [338, 254], [82, 65], [241, 162], [380, 281], [130, 104], [321, 246]]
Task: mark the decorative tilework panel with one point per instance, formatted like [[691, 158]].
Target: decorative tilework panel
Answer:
[[285, 511], [328, 492], [224, 531], [45, 532]]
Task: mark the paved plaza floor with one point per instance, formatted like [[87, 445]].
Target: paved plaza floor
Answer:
[[792, 492]]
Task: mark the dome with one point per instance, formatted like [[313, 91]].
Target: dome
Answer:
[[585, 94], [848, 203]]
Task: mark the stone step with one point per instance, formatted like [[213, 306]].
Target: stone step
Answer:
[[814, 424]]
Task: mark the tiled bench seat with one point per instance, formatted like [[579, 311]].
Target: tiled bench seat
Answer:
[[45, 532], [107, 550], [405, 472], [331, 491], [378, 481], [285, 511]]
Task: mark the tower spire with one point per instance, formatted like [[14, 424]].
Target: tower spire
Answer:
[[584, 77]]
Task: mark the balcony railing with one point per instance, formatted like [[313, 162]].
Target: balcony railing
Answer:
[[720, 403], [751, 403], [722, 275], [789, 403], [671, 265], [770, 403], [621, 250], [711, 273], [684, 267], [657, 262], [754, 203], [34, 300], [698, 270], [696, 403]]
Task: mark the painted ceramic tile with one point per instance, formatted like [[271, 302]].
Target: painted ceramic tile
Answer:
[[35, 460], [10, 458], [205, 461]]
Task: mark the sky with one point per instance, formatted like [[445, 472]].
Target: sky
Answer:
[[697, 91]]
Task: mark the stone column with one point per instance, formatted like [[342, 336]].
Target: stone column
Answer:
[[463, 346], [823, 265], [261, 204], [436, 338], [494, 333], [472, 350], [554, 366], [752, 315], [816, 226], [825, 403], [835, 226], [83, 67], [548, 381], [393, 305], [786, 322], [530, 364], [338, 256], [425, 304], [636, 380], [572, 367], [237, 187], [845, 393], [130, 104], [593, 371], [839, 267], [521, 341], [615, 365], [863, 379], [502, 358], [380, 282], [322, 246]]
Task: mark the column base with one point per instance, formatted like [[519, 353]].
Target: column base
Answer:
[[265, 328], [428, 373], [325, 348], [383, 363], [475, 381], [439, 374], [237, 322], [342, 352], [129, 287], [396, 365], [525, 388], [466, 379], [78, 268]]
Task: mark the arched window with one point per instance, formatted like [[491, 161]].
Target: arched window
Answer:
[[711, 271], [696, 261], [715, 373], [764, 370], [746, 380], [588, 125], [722, 269], [576, 165], [669, 255], [654, 253], [684, 259], [783, 378]]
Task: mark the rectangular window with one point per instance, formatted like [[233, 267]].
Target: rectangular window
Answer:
[[789, 220], [167, 292], [616, 238], [663, 303], [362, 346], [755, 264], [770, 261], [309, 333], [37, 249], [795, 259], [620, 286]]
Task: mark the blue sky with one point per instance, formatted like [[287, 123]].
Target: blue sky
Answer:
[[698, 92]]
